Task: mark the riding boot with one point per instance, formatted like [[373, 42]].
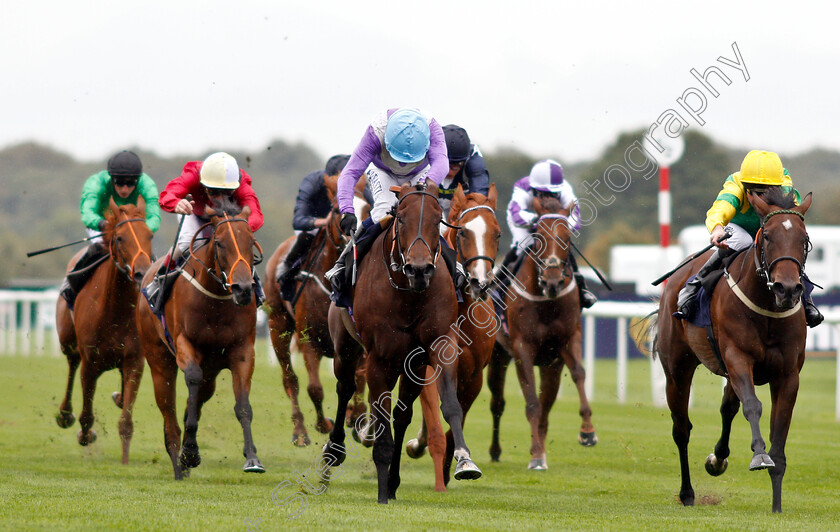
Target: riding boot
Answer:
[[299, 249], [813, 316], [587, 298], [456, 270], [503, 272], [259, 292], [78, 276], [685, 300], [157, 291], [340, 275]]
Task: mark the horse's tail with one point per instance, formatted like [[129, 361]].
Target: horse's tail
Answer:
[[645, 334]]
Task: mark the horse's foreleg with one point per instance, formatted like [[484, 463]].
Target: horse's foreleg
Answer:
[[783, 395], [533, 411], [346, 358], [380, 409], [409, 390], [741, 379], [312, 359], [281, 331], [573, 359], [132, 372], [190, 457], [717, 462], [677, 391], [163, 378], [431, 433], [549, 384], [358, 408], [242, 369], [65, 417], [88, 377], [469, 387], [496, 371]]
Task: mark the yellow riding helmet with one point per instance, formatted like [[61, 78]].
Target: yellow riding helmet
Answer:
[[220, 170], [762, 168]]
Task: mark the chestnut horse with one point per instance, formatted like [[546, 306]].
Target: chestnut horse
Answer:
[[211, 316], [404, 307], [543, 313], [474, 233], [759, 323], [101, 334], [307, 322]]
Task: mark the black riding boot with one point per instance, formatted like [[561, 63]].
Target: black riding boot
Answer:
[[81, 272], [340, 275], [503, 271], [685, 301], [459, 276], [587, 298], [299, 249], [813, 316], [158, 290]]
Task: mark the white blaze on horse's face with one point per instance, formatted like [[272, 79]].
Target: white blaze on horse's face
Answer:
[[358, 207], [478, 227]]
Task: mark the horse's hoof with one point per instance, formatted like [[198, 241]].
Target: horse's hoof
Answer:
[[538, 464], [86, 439], [190, 459], [335, 452], [117, 397], [714, 466], [300, 440], [355, 434], [761, 461], [325, 426], [467, 470], [414, 450], [253, 466], [65, 419], [587, 439]]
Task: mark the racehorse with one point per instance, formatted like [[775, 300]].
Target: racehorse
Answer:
[[758, 321], [210, 320], [307, 321], [543, 314], [101, 334], [404, 306], [474, 233]]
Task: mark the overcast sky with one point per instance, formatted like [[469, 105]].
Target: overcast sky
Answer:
[[547, 78]]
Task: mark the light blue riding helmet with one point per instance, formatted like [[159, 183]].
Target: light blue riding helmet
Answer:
[[407, 136]]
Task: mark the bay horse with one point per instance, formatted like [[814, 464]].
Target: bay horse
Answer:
[[474, 233], [542, 308], [306, 323], [404, 306], [101, 333], [758, 321], [210, 318]]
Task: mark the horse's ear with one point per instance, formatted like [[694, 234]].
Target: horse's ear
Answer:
[[803, 207], [113, 206], [331, 184], [459, 200], [246, 212], [141, 203], [361, 184], [396, 189], [760, 206], [492, 196], [210, 211]]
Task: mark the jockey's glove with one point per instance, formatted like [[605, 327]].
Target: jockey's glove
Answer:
[[348, 223]]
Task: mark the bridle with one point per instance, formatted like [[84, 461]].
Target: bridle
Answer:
[[762, 268], [461, 258], [395, 241], [127, 269], [223, 277], [553, 261]]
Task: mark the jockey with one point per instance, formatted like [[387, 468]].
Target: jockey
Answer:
[[401, 145], [466, 168], [218, 175], [545, 180], [124, 181], [732, 213], [311, 210]]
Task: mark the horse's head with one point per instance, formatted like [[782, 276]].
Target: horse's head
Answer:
[[232, 249], [417, 237], [781, 244], [475, 237], [129, 239], [552, 237]]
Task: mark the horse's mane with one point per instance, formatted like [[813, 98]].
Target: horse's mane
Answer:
[[779, 198], [225, 205], [551, 204]]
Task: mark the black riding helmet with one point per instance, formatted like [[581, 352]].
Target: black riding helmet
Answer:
[[125, 164], [457, 143]]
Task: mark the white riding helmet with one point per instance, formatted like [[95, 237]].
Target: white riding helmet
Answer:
[[547, 176], [220, 170]]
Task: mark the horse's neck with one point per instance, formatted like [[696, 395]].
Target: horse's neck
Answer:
[[743, 272], [204, 262], [116, 284]]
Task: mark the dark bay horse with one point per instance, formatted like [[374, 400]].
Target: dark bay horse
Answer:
[[542, 308], [474, 233], [211, 317], [306, 323], [759, 324], [101, 333], [404, 307]]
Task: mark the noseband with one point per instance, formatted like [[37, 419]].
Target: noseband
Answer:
[[553, 261], [396, 241], [223, 277], [128, 269], [762, 268], [464, 261]]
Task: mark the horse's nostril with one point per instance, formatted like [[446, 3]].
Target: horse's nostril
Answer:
[[429, 270]]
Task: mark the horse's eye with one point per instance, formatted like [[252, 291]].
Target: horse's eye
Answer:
[[119, 239]]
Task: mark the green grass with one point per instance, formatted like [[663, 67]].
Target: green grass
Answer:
[[628, 481]]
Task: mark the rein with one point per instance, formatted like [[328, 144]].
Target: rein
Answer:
[[127, 269], [395, 242], [466, 262], [223, 277]]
